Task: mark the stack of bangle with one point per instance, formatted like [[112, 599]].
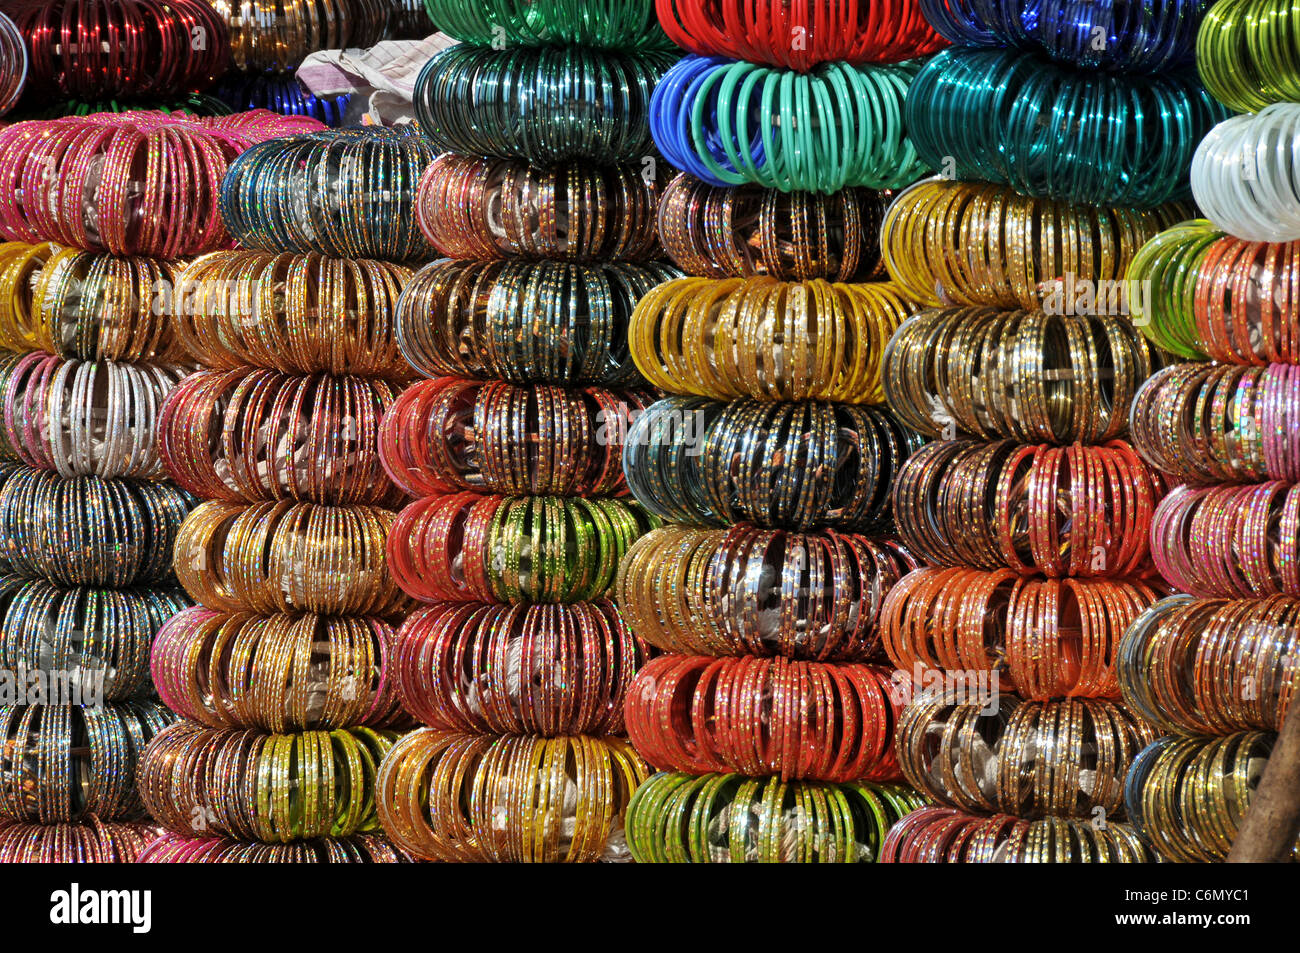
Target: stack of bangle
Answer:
[[582, 783], [767, 339], [482, 208], [729, 818], [1230, 541], [268, 787], [791, 465], [1047, 638], [606, 24], [445, 435], [531, 549], [544, 104], [543, 321], [745, 231], [140, 183], [89, 841], [361, 183], [355, 849], [1028, 375], [1246, 53], [732, 123], [278, 673], [13, 64], [1004, 756], [940, 835], [1189, 796], [975, 243], [765, 717], [280, 93], [276, 36], [1046, 130], [1062, 511], [287, 556], [21, 266], [65, 762], [1212, 667], [752, 591], [544, 669], [115, 48], [1241, 175]]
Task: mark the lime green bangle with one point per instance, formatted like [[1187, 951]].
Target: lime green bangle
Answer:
[[1248, 52], [1166, 269]]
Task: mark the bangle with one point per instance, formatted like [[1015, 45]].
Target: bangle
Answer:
[[1212, 667], [1246, 53], [1229, 541], [345, 193], [750, 591], [1027, 375], [1045, 638], [251, 435], [546, 670], [357, 849], [88, 531], [545, 321], [781, 465], [21, 266], [732, 123], [89, 841], [139, 183], [1018, 119], [1190, 795], [1026, 759], [545, 104], [482, 208], [13, 64], [1060, 511], [748, 231], [1241, 175], [86, 417], [764, 716], [100, 639], [65, 762], [281, 93], [266, 35], [528, 549], [250, 785], [122, 48], [607, 24], [763, 338], [299, 314], [800, 36], [1147, 38], [288, 557], [276, 673], [583, 783], [446, 435], [940, 835], [975, 243], [733, 819]]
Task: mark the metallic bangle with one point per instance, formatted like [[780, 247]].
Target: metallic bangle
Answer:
[[288, 557], [750, 591], [546, 670], [1212, 667], [13, 64], [608, 24], [547, 321], [781, 465], [272, 35], [298, 314], [1046, 638], [67, 762], [21, 265], [1060, 511], [466, 547], [733, 819], [583, 783], [89, 841], [1026, 759], [767, 339], [99, 639], [764, 716], [254, 435], [356, 849], [88, 531], [484, 208], [1245, 53], [277, 673], [940, 835], [445, 435], [250, 785]]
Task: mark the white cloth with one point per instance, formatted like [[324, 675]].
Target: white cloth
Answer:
[[381, 78]]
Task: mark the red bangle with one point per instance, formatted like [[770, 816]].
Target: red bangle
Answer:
[[940, 835]]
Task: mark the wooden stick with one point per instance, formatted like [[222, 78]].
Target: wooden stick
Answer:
[[1268, 834]]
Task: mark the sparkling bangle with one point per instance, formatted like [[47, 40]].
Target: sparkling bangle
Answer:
[[607, 24], [1245, 53], [940, 835], [89, 841], [13, 64], [356, 849]]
